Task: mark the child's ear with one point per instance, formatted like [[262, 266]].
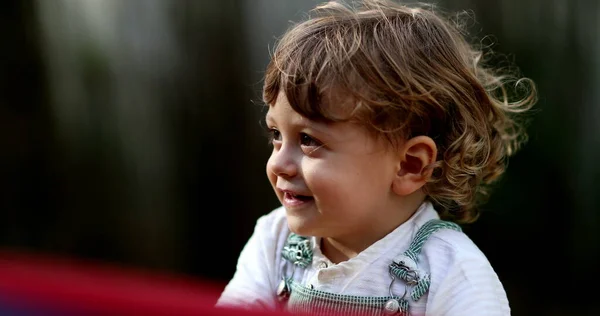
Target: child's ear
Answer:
[[415, 155]]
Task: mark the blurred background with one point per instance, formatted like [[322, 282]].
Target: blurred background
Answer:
[[130, 134]]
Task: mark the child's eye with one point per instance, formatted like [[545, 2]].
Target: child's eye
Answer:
[[306, 140], [274, 135]]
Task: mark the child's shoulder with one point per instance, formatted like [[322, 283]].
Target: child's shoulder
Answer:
[[455, 245], [461, 275], [273, 225], [453, 257], [443, 242]]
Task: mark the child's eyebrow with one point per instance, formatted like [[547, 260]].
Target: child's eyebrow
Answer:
[[321, 128], [270, 120]]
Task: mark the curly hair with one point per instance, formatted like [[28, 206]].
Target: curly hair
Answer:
[[410, 71]]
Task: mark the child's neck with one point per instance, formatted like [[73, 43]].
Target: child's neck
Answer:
[[342, 248]]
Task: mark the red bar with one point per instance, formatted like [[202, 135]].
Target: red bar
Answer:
[[38, 282]]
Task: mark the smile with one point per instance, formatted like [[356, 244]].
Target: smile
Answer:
[[295, 200]]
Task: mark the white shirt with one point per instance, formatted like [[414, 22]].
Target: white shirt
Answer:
[[462, 280]]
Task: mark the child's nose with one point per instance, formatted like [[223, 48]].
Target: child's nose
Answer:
[[282, 163]]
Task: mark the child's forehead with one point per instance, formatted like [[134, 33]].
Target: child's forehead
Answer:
[[334, 106], [282, 110]]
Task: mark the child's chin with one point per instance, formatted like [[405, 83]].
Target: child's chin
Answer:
[[300, 226]]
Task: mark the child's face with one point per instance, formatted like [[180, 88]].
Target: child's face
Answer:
[[333, 179]]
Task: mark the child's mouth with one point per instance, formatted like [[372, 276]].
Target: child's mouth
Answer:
[[290, 199]]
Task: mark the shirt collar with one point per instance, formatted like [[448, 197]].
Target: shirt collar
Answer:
[[399, 239]]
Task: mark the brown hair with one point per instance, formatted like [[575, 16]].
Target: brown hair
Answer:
[[410, 72]]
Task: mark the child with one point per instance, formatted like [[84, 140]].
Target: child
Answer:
[[383, 120]]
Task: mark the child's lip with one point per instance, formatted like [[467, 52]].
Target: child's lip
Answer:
[[292, 192], [294, 198], [289, 200]]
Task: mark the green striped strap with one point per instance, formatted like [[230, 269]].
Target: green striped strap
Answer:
[[406, 271]]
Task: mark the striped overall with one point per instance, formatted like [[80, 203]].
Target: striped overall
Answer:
[[300, 299]]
